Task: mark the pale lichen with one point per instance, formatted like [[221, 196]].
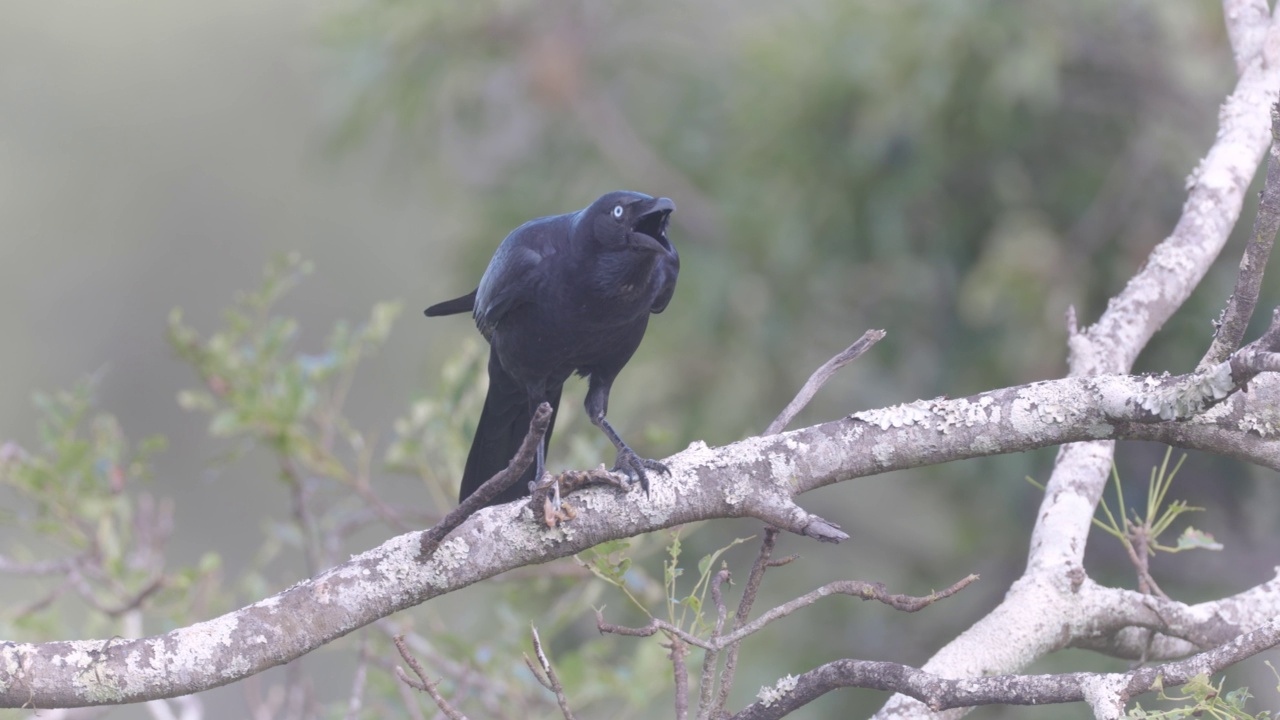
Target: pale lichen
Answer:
[[1257, 424], [736, 491], [770, 695], [451, 555], [916, 413], [1186, 397]]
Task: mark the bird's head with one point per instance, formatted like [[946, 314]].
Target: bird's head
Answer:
[[625, 219]]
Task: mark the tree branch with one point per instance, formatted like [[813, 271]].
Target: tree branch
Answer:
[[1107, 693], [820, 378], [550, 680], [754, 477], [1235, 318], [423, 683], [493, 486], [1216, 190]]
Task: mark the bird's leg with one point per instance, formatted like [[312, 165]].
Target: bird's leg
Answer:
[[628, 461]]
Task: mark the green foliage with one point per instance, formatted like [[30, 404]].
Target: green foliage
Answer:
[[687, 611], [1203, 700], [692, 607], [84, 520], [612, 563], [1140, 533], [258, 386], [431, 440], [1157, 517]]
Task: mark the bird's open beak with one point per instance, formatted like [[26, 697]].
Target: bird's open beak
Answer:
[[651, 226]]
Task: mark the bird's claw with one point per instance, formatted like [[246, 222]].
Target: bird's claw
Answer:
[[634, 466], [550, 483]]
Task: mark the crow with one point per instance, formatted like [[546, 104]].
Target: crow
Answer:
[[564, 294]]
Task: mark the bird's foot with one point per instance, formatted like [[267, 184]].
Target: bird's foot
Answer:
[[634, 467], [547, 496], [550, 485]]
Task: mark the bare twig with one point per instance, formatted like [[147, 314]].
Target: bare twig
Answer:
[[9, 566], [820, 378], [1243, 300], [81, 585], [855, 588], [711, 659], [468, 680], [655, 626], [1107, 693], [550, 681], [492, 487], [409, 700], [679, 651], [300, 489], [1139, 549], [761, 564], [423, 683]]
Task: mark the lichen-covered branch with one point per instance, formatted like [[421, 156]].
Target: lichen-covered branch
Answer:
[[755, 477], [1235, 318], [1107, 693], [1001, 642]]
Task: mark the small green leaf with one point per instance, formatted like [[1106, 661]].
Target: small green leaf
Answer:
[[1237, 698], [224, 423], [704, 565], [1192, 538], [196, 400]]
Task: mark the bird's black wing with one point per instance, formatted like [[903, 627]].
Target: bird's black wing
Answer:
[[517, 270]]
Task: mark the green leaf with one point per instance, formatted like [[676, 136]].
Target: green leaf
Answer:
[[704, 565], [225, 422], [196, 400], [1237, 698], [1192, 538]]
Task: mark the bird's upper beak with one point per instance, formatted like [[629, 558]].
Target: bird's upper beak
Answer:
[[651, 225]]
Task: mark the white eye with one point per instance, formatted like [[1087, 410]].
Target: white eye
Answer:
[[617, 211]]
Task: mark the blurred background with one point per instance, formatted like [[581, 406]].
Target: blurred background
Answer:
[[955, 173]]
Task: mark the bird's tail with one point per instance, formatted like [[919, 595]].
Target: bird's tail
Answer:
[[504, 422], [466, 303]]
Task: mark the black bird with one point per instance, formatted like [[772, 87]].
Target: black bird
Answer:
[[564, 294]]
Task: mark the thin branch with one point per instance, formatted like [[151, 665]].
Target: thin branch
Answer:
[[855, 588], [300, 487], [653, 628], [820, 378], [550, 681], [678, 652], [1107, 693], [761, 564], [82, 587], [9, 566], [1243, 300], [711, 659], [492, 487], [423, 683], [468, 680]]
